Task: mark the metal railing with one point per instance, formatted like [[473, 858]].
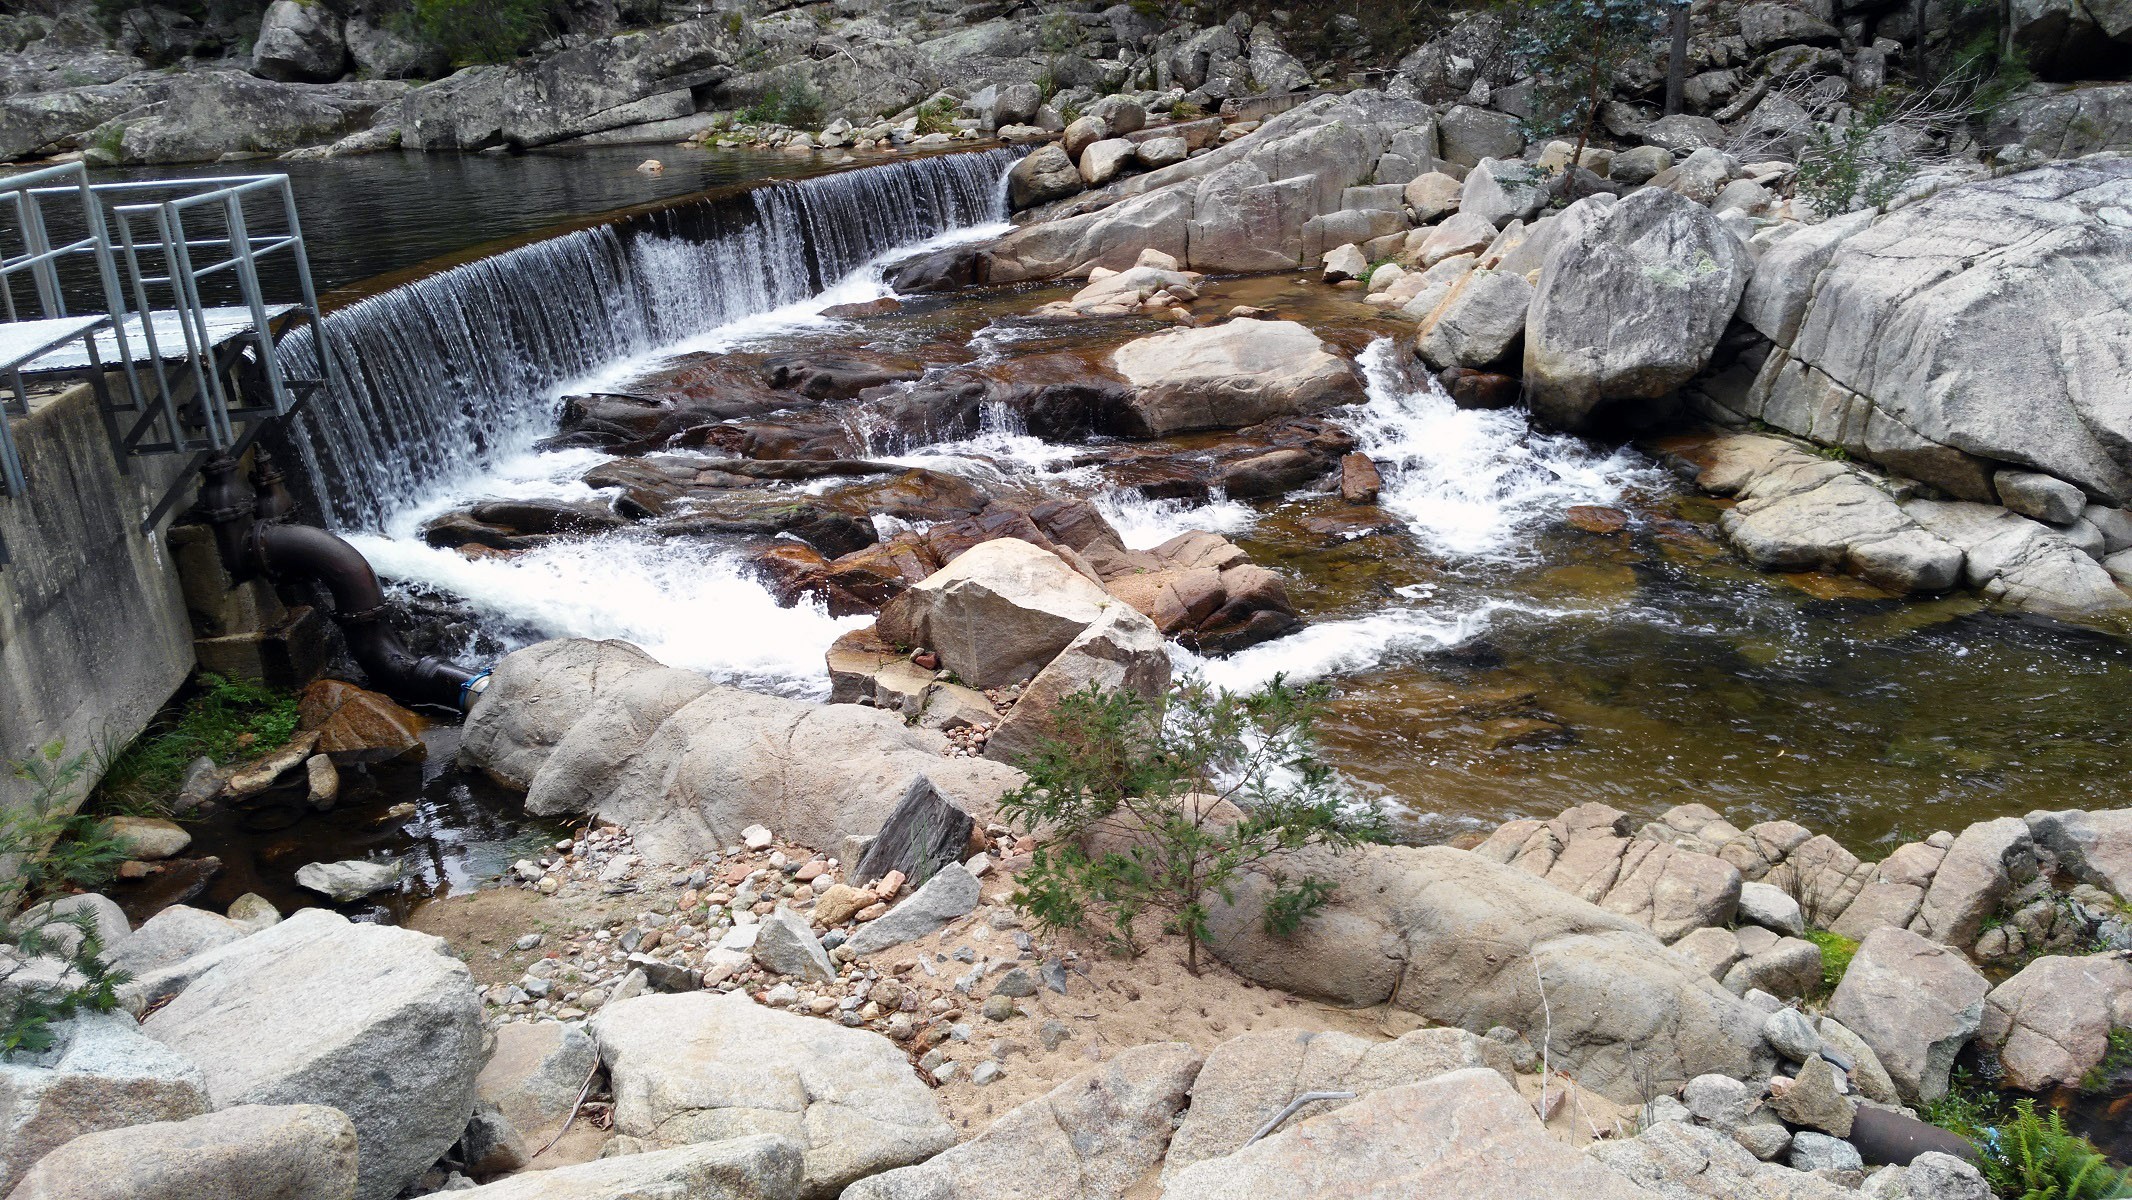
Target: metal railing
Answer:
[[187, 323]]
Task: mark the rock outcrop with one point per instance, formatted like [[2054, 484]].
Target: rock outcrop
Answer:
[[1467, 942], [245, 1152], [1241, 372]]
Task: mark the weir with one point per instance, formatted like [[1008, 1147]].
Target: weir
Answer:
[[445, 373]]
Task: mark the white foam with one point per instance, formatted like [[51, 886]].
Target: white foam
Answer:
[[1330, 649], [1145, 524], [686, 604], [1470, 484]]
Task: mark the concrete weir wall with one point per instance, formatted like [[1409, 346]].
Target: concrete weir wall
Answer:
[[94, 636]]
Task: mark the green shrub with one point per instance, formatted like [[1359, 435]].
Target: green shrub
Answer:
[[2034, 1156], [228, 720], [1155, 783], [792, 101], [481, 31], [936, 116], [52, 848], [2115, 1062], [1836, 953]]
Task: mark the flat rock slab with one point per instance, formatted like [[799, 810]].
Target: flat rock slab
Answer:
[[380, 1023], [952, 893], [758, 1167], [248, 1152], [1090, 1138], [703, 1067], [1467, 1133], [1250, 1078]]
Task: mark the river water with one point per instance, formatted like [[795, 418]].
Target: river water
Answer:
[[1490, 659]]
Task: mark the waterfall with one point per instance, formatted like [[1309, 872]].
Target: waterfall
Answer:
[[446, 374]]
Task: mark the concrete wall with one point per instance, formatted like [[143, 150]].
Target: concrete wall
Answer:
[[94, 636]]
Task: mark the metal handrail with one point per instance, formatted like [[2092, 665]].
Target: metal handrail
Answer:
[[194, 407]]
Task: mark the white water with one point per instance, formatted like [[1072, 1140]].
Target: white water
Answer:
[[1472, 487], [449, 383]]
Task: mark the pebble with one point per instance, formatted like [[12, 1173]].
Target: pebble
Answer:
[[784, 995], [1000, 1008], [1016, 983], [1052, 1033], [528, 942], [1054, 973], [945, 1072], [755, 837], [985, 1073]]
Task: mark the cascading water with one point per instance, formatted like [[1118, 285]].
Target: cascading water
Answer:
[[457, 371], [448, 383]]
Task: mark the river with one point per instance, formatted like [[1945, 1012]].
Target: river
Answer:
[[1489, 658]]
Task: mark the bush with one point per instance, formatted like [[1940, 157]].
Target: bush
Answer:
[[1575, 49], [1132, 794], [481, 31], [53, 848], [793, 101], [228, 720], [936, 116], [1853, 167]]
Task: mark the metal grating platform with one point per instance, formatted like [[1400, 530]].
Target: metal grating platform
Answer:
[[163, 338]]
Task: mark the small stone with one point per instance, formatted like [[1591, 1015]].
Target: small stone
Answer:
[[1054, 973], [1000, 1008], [254, 911], [1791, 1033], [1662, 1109], [348, 881], [1718, 1101], [1053, 1033], [1771, 907], [946, 1072], [985, 1073], [1820, 1152], [1763, 1136], [1016, 983], [528, 942], [784, 995], [1813, 1100], [755, 837], [147, 837]]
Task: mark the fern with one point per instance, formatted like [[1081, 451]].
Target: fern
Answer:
[[2035, 1157]]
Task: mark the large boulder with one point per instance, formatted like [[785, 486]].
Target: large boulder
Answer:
[[1464, 941], [1090, 1138], [1978, 325], [1980, 870], [248, 1152], [171, 936], [1047, 174], [2092, 847], [2051, 1024], [1915, 1003], [100, 1073], [687, 782], [1467, 1133], [998, 613], [2065, 122], [1478, 323], [1238, 373], [299, 43], [2021, 563], [378, 1022], [757, 1167], [1632, 308], [1250, 1078], [1121, 651], [604, 83], [704, 1067]]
